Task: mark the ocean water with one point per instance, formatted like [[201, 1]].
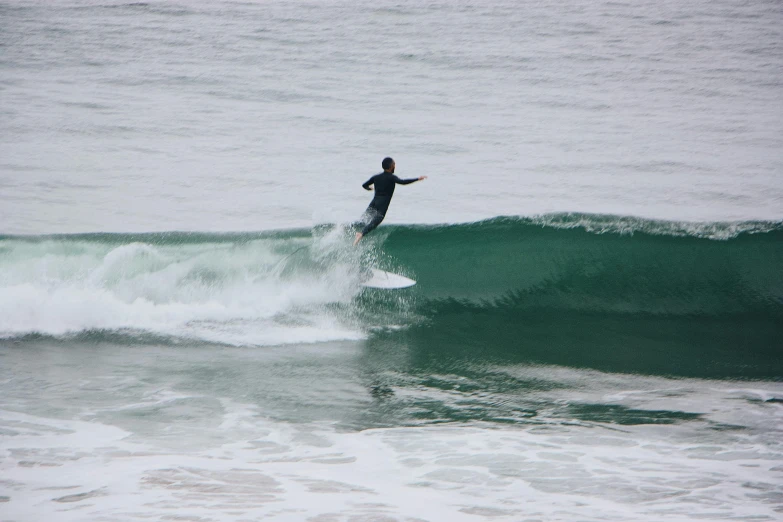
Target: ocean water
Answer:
[[597, 329]]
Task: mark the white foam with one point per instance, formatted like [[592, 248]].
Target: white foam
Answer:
[[220, 293], [251, 467]]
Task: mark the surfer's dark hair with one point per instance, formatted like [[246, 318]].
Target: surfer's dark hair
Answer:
[[387, 163]]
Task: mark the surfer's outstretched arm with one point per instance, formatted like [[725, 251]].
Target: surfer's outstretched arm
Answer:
[[367, 184], [408, 181]]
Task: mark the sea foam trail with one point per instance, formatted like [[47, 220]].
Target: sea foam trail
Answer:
[[239, 461]]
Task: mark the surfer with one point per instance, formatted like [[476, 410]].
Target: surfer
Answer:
[[383, 184]]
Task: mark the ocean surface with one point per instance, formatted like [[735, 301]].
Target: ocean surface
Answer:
[[597, 329]]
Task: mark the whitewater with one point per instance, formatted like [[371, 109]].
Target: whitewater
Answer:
[[595, 334]]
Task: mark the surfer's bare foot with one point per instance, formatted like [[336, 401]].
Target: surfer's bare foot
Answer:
[[358, 237]]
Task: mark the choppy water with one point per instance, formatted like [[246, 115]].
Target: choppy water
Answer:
[[596, 329]]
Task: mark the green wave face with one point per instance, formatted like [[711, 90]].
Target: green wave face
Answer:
[[639, 296], [604, 292]]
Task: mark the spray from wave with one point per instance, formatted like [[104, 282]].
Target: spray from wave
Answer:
[[242, 290]]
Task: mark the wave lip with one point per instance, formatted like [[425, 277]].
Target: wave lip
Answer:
[[607, 223]]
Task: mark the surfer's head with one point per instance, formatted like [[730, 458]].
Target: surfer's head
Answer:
[[388, 165]]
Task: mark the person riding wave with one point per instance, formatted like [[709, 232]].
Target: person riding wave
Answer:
[[383, 184]]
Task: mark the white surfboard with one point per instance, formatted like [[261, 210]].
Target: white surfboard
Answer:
[[382, 279]]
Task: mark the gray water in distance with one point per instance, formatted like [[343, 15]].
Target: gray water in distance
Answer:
[[226, 116]]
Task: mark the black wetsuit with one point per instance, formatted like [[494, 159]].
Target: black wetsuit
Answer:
[[384, 190]]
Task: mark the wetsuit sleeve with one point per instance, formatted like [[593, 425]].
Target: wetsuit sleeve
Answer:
[[366, 184], [404, 181]]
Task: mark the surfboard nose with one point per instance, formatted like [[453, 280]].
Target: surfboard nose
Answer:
[[385, 280]]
